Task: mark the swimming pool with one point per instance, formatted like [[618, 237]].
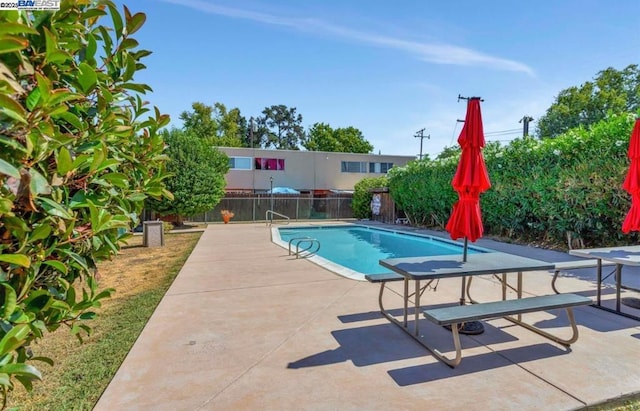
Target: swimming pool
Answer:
[[353, 250]]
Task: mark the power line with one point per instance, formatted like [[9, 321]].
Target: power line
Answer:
[[513, 130]]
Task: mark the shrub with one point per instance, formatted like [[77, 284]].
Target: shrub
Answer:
[[541, 189], [77, 161], [362, 196], [197, 175]]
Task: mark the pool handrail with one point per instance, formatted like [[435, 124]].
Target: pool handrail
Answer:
[[300, 240], [272, 213]]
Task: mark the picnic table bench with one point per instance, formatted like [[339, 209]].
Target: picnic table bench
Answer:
[[459, 314], [576, 265]]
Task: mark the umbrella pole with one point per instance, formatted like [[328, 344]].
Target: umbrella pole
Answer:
[[464, 250], [464, 279], [469, 327]]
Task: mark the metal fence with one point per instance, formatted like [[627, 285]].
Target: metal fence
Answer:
[[253, 207]]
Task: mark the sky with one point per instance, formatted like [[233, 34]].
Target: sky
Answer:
[[388, 68]]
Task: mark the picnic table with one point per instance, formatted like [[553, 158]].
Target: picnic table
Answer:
[[620, 256], [429, 268]]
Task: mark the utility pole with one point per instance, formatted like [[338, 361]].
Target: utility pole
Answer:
[[420, 134], [525, 126]]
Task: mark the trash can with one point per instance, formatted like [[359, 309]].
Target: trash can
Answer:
[[153, 234]]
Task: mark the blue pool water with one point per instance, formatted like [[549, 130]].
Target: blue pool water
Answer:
[[360, 248]]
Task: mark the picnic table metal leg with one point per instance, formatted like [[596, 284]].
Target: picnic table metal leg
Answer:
[[504, 286], [451, 362], [563, 341], [599, 281], [416, 313], [406, 301], [519, 291], [553, 281], [618, 285]]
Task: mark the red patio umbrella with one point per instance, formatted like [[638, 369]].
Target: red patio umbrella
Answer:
[[632, 182], [470, 180]]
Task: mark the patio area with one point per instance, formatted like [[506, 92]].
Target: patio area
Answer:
[[246, 326]]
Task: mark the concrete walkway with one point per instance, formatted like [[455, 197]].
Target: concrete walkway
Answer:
[[245, 326]]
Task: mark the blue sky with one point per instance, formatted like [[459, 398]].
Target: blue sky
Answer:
[[388, 68]]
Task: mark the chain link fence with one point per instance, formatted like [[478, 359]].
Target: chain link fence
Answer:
[[253, 207]]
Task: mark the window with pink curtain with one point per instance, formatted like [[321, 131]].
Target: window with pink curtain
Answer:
[[269, 163]]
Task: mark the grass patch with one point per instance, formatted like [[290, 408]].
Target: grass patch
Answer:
[[141, 277]]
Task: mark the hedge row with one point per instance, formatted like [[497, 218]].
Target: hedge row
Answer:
[[542, 190]]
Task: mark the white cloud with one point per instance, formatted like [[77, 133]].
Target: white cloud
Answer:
[[429, 52]]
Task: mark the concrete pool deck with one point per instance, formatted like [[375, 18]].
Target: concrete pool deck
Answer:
[[246, 326]]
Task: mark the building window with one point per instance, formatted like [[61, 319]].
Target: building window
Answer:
[[354, 167], [269, 163], [381, 168], [240, 163]]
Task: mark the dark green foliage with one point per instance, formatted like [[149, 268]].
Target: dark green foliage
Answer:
[[77, 161], [321, 137], [541, 190], [611, 92], [196, 178], [422, 189], [361, 203], [219, 126], [280, 127]]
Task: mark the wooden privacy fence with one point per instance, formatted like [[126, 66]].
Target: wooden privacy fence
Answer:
[[253, 207]]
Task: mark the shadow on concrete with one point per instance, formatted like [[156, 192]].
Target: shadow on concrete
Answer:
[[588, 317], [471, 364], [376, 344]]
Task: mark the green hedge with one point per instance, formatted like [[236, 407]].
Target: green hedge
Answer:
[[541, 189], [361, 203]]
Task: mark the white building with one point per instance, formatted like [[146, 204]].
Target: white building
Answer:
[[256, 170]]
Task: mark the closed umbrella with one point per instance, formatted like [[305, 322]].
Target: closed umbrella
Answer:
[[632, 185], [470, 180], [632, 182]]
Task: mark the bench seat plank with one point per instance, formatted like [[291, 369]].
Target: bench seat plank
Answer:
[[382, 278], [574, 265], [462, 313]]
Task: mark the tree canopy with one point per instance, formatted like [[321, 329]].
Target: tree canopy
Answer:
[[216, 124], [612, 91], [280, 127], [321, 137], [196, 179]]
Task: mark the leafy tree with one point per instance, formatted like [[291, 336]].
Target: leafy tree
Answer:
[[200, 121], [77, 161], [197, 175], [612, 91], [230, 126], [322, 137], [447, 152], [281, 128], [221, 127]]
